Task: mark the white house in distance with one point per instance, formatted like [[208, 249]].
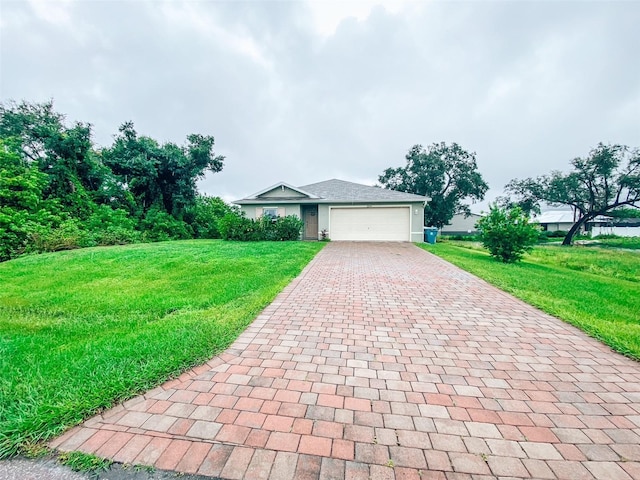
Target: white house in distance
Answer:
[[554, 220], [343, 210]]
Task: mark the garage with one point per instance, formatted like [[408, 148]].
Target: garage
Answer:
[[370, 223]]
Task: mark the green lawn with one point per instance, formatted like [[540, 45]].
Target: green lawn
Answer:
[[595, 289], [632, 243], [84, 329]]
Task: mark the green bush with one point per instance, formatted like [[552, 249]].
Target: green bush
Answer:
[[14, 232], [507, 234], [205, 215], [461, 238], [235, 226], [68, 236], [281, 228], [108, 226], [159, 226]]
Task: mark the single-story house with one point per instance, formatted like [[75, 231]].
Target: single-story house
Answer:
[[554, 220], [622, 227], [563, 220], [461, 224], [343, 210]]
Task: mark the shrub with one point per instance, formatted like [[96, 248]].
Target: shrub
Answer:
[[507, 234], [108, 226], [159, 226], [68, 236], [461, 238], [205, 215], [235, 226], [606, 236], [283, 228]]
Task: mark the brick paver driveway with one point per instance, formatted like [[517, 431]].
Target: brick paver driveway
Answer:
[[383, 361]]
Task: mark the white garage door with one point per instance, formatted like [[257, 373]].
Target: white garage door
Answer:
[[373, 224]]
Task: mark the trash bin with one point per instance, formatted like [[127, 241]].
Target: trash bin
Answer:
[[430, 234]]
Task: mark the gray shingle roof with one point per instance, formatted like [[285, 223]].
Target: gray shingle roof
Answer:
[[341, 191], [336, 191]]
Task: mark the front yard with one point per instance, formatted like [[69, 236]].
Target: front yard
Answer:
[[82, 330]]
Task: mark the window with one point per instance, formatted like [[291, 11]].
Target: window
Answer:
[[270, 212]]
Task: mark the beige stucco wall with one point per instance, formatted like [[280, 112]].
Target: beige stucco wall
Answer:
[[250, 210], [416, 218]]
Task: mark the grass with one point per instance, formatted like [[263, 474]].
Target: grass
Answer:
[[84, 329], [631, 243], [83, 462], [596, 290]]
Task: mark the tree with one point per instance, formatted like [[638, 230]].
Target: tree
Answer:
[[507, 233], [161, 176], [446, 173], [64, 154], [606, 180]]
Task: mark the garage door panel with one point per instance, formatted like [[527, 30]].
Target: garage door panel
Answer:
[[370, 224]]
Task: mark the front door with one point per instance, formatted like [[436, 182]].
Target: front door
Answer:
[[310, 218]]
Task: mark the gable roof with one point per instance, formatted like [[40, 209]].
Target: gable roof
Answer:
[[282, 185], [335, 191]]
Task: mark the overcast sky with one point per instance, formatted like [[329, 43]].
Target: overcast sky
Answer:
[[302, 92]]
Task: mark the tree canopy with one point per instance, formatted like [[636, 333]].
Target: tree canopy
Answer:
[[606, 180], [447, 174], [57, 190]]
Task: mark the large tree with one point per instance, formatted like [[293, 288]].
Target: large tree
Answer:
[[161, 176], [63, 153], [447, 174], [607, 179]]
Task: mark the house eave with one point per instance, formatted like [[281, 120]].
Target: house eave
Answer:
[[274, 201]]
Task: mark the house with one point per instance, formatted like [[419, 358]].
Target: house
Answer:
[[461, 224], [555, 220], [622, 227], [563, 220], [343, 210]]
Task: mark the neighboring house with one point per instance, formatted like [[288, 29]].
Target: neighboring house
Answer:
[[554, 220], [622, 227], [563, 220], [343, 210], [461, 225]]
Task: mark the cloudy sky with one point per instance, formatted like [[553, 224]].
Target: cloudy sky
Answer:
[[303, 91]]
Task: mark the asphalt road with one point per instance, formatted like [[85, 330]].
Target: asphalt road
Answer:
[[49, 469]]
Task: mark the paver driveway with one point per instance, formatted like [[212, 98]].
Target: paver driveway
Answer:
[[383, 361]]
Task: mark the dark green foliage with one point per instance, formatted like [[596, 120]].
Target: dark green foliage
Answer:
[[205, 214], [161, 176], [235, 226], [461, 238], [507, 234], [58, 192], [282, 228], [159, 226], [604, 182], [447, 174]]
